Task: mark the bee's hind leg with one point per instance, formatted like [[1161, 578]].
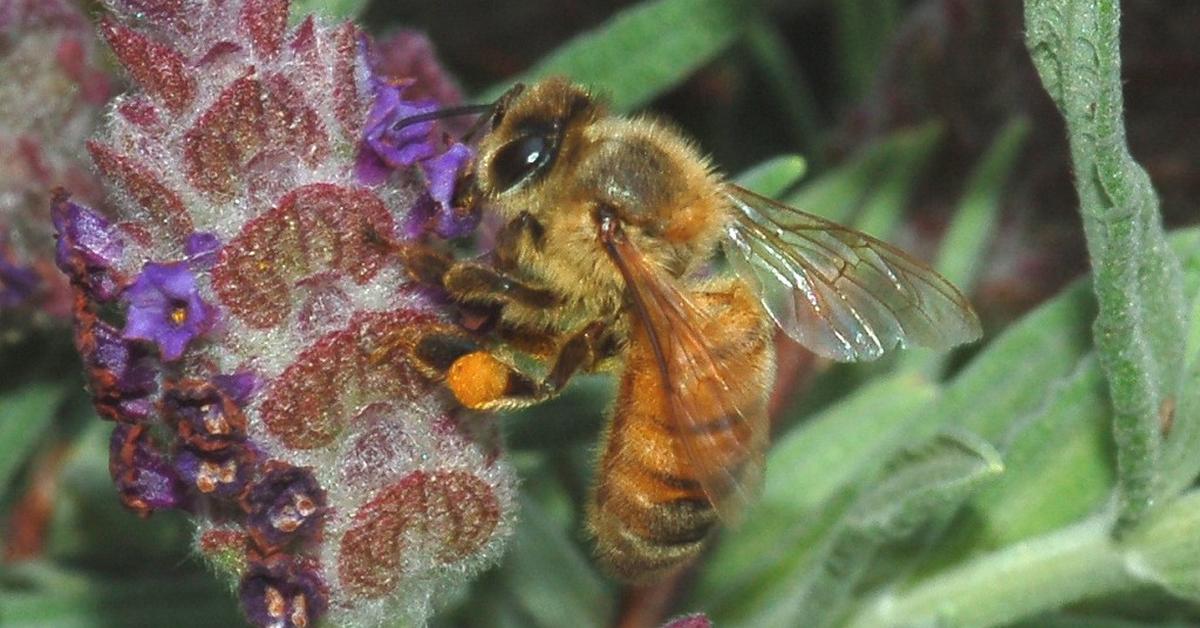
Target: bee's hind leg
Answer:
[[482, 381]]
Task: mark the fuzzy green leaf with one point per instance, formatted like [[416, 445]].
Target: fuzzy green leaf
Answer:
[[965, 243], [807, 469], [1058, 469], [25, 415], [1180, 464], [925, 485], [644, 50], [1165, 550], [1075, 45]]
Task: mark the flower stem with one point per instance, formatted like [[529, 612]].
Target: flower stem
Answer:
[[1075, 46]]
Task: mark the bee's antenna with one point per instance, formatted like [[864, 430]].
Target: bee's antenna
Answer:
[[464, 110], [447, 112]]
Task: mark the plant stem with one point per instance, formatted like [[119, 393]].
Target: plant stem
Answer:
[[1076, 49]]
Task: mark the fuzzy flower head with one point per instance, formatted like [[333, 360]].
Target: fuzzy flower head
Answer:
[[241, 322], [51, 90]]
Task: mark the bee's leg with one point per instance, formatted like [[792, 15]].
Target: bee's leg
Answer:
[[470, 282], [482, 381]]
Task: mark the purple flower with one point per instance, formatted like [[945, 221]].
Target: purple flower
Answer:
[[386, 145], [223, 473], [165, 308], [283, 593], [122, 377], [206, 418], [145, 480], [239, 387], [201, 250], [442, 173], [286, 503], [88, 247]]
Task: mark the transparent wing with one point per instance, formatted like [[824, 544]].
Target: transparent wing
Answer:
[[722, 443], [841, 293]]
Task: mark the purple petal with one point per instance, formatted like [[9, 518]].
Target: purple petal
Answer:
[[144, 479], [443, 173], [165, 307], [201, 250], [283, 578]]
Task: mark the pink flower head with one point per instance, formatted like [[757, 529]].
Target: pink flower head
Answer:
[[165, 308]]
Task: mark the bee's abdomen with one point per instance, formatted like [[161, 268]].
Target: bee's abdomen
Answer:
[[649, 512], [647, 517]]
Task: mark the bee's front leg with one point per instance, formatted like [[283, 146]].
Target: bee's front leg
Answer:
[[482, 381]]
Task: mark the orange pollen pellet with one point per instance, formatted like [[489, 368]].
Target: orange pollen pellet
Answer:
[[477, 379]]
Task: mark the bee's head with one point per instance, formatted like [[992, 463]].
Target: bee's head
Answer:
[[531, 137]]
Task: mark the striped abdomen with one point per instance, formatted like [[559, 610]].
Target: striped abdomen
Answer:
[[649, 512]]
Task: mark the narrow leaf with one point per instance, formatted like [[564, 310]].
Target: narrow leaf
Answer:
[[774, 176], [25, 414], [843, 192], [644, 50], [575, 595]]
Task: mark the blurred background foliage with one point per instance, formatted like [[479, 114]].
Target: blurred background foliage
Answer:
[[979, 488]]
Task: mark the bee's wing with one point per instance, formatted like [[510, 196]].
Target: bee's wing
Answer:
[[841, 293], [721, 443]]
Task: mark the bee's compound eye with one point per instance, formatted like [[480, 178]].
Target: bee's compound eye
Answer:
[[518, 159]]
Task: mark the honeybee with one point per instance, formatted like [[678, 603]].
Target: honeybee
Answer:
[[603, 263]]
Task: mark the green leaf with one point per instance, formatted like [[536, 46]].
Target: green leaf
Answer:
[[807, 469], [1075, 47], [770, 52], [1058, 469], [1165, 549], [337, 9], [966, 241], [1180, 464], [25, 415], [872, 178], [644, 50], [774, 176], [925, 485], [574, 596], [1033, 576], [41, 595], [864, 29], [885, 206]]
